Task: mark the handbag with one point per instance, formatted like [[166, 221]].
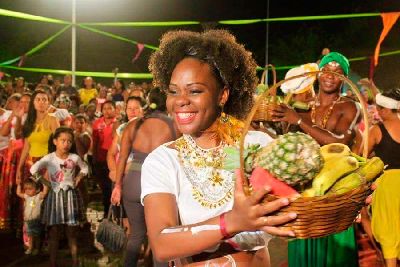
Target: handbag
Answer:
[[111, 233]]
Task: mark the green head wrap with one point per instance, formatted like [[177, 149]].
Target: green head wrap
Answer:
[[338, 58]]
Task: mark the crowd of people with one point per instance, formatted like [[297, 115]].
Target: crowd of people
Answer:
[[158, 152]]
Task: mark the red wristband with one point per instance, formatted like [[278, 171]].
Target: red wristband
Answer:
[[222, 226]]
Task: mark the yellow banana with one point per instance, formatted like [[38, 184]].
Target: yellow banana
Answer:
[[366, 173], [334, 150], [372, 168], [310, 192], [332, 171], [347, 183]]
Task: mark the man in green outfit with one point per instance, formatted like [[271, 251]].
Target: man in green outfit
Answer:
[[331, 119]]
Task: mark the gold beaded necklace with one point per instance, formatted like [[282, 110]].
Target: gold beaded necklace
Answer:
[[327, 114], [212, 186]]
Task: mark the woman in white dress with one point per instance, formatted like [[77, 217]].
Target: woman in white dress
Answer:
[[195, 214]]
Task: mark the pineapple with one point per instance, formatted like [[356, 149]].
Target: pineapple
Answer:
[[293, 158]]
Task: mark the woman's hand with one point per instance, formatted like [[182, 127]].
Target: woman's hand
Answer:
[[285, 113], [116, 195], [18, 112], [18, 175], [250, 214], [18, 180], [368, 200]]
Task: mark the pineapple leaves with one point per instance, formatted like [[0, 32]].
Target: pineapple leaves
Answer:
[[232, 159]]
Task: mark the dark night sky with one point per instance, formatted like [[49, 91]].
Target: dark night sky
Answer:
[[99, 53]]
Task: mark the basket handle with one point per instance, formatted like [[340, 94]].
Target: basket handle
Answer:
[[272, 91], [264, 74]]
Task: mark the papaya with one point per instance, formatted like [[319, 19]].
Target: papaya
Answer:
[[261, 178]]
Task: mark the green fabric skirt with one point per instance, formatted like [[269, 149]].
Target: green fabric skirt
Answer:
[[331, 251]]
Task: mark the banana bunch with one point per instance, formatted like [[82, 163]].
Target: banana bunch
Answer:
[[366, 173], [342, 171]]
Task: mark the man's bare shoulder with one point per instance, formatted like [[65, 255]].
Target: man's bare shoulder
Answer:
[[347, 103]]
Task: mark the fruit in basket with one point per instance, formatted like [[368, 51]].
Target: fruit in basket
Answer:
[[300, 105], [365, 173], [332, 171], [372, 168], [260, 178], [293, 158], [335, 150], [347, 183]]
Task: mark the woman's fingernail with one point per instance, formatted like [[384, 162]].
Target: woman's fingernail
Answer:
[[292, 215], [292, 234], [267, 188], [285, 201]]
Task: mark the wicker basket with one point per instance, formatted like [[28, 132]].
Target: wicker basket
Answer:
[[324, 215], [261, 113]]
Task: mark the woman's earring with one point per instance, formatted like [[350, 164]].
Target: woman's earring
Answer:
[[224, 117]]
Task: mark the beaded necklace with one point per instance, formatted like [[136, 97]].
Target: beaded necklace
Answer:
[[211, 185], [327, 114]]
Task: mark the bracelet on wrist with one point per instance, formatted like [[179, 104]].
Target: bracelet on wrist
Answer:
[[222, 226]]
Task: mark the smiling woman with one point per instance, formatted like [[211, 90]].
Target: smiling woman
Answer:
[[193, 210]]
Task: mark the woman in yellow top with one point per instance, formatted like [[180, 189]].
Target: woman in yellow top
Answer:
[[88, 92], [38, 127], [384, 141]]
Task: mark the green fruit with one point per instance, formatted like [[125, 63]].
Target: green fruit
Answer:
[[300, 105]]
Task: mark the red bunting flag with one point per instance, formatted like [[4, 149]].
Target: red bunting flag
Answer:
[[388, 19], [371, 68], [138, 52]]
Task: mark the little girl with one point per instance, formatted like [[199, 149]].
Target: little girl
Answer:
[[63, 207], [33, 200]]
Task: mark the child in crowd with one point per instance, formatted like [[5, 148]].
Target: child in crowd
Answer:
[[83, 143], [33, 199], [63, 207], [81, 109]]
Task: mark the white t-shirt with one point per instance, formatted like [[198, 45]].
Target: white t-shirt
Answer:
[[32, 207], [3, 119], [163, 173], [62, 171]]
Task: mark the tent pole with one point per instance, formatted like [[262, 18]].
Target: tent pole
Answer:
[[73, 45], [267, 44]]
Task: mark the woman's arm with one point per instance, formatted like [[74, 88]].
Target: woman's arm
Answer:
[[126, 147], [19, 190], [374, 137], [22, 159], [44, 192], [6, 127], [170, 241], [111, 162], [18, 124], [54, 124]]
